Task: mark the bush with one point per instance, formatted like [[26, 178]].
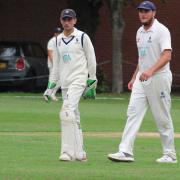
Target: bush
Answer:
[[103, 85]]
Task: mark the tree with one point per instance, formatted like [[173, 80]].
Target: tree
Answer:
[[115, 7], [87, 14]]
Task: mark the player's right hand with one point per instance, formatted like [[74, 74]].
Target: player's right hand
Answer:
[[130, 84], [47, 94], [49, 91]]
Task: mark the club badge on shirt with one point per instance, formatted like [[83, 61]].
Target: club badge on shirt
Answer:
[[142, 51], [66, 58], [149, 40]]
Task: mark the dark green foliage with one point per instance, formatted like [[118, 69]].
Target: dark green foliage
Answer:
[[103, 84]]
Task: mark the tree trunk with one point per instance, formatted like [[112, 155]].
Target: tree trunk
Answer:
[[117, 32]]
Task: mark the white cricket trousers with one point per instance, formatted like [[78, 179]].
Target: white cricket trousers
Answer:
[[71, 132], [154, 93]]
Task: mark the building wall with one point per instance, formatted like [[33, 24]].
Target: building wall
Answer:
[[29, 19], [34, 20], [166, 13]]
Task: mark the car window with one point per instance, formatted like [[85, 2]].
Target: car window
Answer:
[[38, 51], [27, 50], [8, 51]]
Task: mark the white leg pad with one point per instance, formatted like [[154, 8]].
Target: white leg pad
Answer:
[[71, 135]]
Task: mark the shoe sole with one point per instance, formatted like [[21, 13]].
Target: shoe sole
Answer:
[[81, 160], [120, 160], [66, 160], [70, 160], [172, 162]]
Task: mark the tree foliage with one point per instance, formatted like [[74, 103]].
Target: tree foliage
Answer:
[[87, 14]]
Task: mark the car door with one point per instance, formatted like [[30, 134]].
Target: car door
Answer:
[[41, 63], [37, 60]]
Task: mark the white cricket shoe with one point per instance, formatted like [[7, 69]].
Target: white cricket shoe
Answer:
[[121, 157], [84, 159], [54, 98], [166, 159], [65, 157]]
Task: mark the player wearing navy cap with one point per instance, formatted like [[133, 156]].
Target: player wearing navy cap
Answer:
[[75, 66], [151, 86]]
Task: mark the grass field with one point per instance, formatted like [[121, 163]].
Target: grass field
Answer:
[[29, 141]]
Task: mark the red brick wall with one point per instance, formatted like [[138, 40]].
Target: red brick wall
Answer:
[[103, 42], [29, 19], [35, 19]]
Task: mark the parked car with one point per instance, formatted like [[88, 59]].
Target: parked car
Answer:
[[23, 64]]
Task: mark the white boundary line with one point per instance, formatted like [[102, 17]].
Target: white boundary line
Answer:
[[87, 134], [98, 98], [41, 97]]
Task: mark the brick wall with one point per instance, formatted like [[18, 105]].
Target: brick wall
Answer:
[[29, 19], [34, 20], [166, 13]]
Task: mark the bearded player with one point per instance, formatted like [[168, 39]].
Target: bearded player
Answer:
[[151, 86]]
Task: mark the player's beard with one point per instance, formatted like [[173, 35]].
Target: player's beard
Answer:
[[148, 23]]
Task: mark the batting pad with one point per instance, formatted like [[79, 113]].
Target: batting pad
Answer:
[[71, 135]]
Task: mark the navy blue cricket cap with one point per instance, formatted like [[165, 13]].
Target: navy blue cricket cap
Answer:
[[148, 5], [70, 13], [57, 30]]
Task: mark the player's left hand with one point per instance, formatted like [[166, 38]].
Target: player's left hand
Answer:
[[90, 90]]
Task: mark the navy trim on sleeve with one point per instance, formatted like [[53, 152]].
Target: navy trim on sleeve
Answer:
[[82, 37]]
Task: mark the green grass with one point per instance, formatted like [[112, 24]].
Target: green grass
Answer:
[[36, 157], [33, 114], [26, 154]]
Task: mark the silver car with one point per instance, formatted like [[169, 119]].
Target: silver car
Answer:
[[23, 65]]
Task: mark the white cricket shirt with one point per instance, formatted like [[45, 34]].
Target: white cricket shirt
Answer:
[[74, 58], [151, 43], [50, 46], [51, 43]]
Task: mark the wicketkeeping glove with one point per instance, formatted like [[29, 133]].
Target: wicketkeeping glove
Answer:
[[90, 90], [48, 93]]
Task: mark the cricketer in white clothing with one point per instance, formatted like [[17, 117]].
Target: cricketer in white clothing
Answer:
[[151, 86], [51, 45], [74, 65]]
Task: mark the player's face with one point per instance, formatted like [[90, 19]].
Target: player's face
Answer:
[[68, 23], [146, 16]]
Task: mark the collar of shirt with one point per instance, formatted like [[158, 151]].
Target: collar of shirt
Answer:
[[74, 33]]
